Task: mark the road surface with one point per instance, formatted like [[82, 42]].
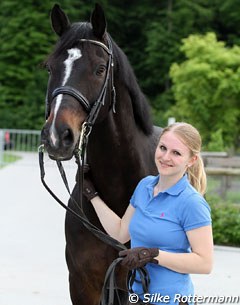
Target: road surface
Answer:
[[32, 262]]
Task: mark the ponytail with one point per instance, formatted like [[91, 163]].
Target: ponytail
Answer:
[[197, 176]]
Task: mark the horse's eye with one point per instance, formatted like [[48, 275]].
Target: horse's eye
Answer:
[[100, 70]]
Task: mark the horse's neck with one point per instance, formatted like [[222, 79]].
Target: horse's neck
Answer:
[[119, 143], [119, 155]]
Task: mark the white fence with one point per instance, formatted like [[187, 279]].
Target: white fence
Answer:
[[20, 147], [14, 144]]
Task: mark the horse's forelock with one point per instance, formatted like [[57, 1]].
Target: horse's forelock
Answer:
[[78, 30]]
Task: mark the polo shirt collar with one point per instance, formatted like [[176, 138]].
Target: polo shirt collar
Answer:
[[174, 190]]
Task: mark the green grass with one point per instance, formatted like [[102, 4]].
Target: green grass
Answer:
[[9, 158]]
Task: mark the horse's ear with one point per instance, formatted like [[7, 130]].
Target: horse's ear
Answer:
[[60, 21], [98, 21]]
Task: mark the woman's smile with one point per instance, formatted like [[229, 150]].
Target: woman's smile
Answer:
[[165, 164]]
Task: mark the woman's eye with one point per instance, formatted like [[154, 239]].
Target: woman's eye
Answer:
[[177, 153], [162, 147]]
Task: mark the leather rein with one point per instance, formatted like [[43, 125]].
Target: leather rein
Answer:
[[80, 152]]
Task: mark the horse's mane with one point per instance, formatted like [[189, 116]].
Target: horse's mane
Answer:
[[140, 104], [141, 108]]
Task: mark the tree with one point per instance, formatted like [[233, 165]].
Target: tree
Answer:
[[206, 88], [173, 21], [149, 32], [226, 20], [25, 41]]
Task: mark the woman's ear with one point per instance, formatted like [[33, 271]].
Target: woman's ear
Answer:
[[192, 160]]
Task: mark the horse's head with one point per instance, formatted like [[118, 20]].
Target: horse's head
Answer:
[[79, 77]]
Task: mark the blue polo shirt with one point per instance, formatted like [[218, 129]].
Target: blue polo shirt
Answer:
[[162, 222]]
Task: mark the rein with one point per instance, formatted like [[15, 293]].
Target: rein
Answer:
[[109, 287], [81, 216]]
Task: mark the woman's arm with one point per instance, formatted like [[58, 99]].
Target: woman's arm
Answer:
[[114, 225], [200, 260]]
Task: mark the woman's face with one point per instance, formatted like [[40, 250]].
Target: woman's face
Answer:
[[172, 156]]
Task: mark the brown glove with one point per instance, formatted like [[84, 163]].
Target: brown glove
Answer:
[[138, 257], [89, 190]]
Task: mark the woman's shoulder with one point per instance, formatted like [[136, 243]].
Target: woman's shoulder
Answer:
[[149, 178], [147, 181], [194, 211], [190, 196], [141, 190]]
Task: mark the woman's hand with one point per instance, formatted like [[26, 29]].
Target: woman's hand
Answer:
[[89, 190], [138, 257]]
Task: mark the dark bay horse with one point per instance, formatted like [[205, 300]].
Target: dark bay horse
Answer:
[[88, 69]]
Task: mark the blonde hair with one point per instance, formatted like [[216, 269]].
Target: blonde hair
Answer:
[[190, 136]]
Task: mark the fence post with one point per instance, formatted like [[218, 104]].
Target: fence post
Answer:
[[1, 146], [171, 120]]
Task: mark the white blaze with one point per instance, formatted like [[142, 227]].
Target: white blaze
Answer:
[[73, 55]]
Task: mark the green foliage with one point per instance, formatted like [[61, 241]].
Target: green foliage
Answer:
[[226, 16], [25, 42], [216, 142], [225, 222], [174, 20], [207, 89], [149, 32]]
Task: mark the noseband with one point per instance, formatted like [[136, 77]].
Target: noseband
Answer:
[[92, 110]]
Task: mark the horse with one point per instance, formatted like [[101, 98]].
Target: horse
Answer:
[[90, 76]]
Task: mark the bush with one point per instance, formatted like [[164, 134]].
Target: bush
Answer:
[[225, 222], [206, 88], [216, 141]]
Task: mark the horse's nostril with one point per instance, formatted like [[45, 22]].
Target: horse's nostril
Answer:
[[67, 138]]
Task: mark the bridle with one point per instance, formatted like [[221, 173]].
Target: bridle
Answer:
[[83, 140], [93, 111]]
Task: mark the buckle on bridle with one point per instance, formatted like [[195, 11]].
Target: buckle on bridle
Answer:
[[41, 148], [85, 132]]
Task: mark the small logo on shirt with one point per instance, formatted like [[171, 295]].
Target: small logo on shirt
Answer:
[[162, 215]]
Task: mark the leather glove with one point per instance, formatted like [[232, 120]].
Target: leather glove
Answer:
[[138, 257], [89, 190]]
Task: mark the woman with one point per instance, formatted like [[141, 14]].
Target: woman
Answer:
[[168, 221]]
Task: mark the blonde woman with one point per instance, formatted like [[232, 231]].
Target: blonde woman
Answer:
[[168, 220]]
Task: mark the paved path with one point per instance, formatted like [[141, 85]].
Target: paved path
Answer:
[[32, 263]]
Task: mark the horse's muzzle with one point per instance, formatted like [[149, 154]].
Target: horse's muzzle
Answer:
[[59, 144]]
